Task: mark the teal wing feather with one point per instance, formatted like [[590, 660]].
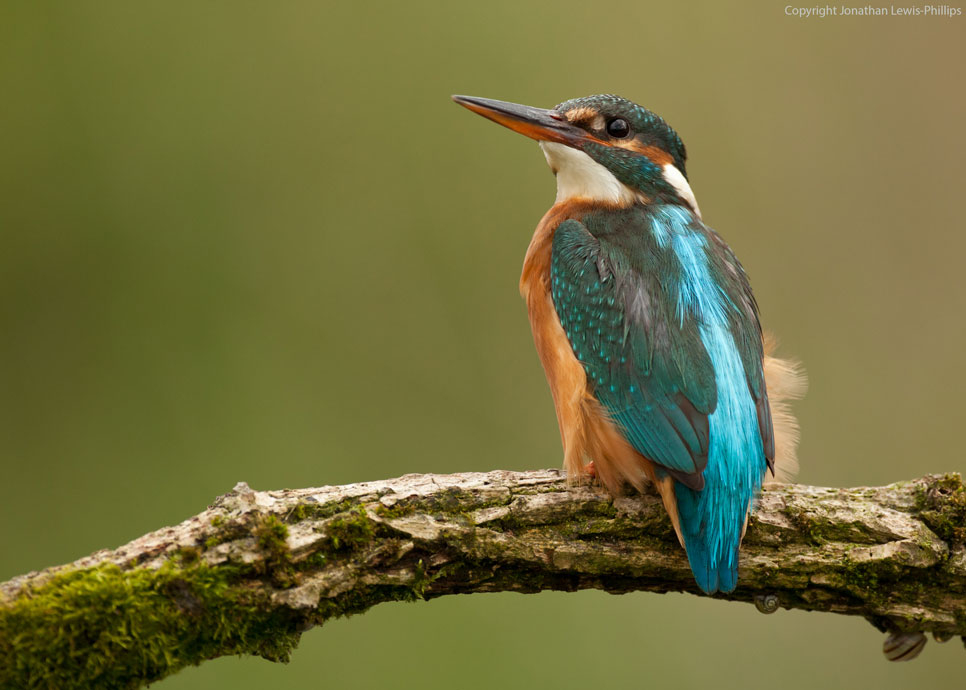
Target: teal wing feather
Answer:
[[653, 384], [614, 287]]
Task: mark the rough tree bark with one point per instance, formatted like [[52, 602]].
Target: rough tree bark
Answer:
[[257, 568]]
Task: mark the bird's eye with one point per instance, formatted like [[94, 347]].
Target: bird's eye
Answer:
[[618, 128]]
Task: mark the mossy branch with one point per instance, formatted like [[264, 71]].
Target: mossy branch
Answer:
[[257, 568]]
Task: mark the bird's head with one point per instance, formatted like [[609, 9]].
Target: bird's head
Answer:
[[603, 148]]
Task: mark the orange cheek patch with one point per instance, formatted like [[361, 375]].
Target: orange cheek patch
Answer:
[[659, 157]]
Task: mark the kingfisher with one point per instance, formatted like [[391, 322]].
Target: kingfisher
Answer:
[[647, 328]]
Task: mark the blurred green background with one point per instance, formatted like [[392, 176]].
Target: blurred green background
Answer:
[[256, 241]]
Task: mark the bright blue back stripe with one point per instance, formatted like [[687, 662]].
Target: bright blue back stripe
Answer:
[[712, 519]]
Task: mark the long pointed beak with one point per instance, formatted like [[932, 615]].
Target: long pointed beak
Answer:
[[536, 123]]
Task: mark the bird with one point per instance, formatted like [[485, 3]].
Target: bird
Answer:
[[647, 329]]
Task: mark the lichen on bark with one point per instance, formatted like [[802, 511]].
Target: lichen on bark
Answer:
[[255, 570]]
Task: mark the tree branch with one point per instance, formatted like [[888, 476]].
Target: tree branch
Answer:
[[256, 569]]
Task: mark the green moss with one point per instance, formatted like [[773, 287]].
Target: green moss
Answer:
[[819, 529], [350, 531], [422, 580], [226, 531], [942, 505], [271, 533], [313, 561], [361, 599], [309, 510], [110, 628], [862, 576], [189, 554], [452, 502], [398, 510], [886, 580]]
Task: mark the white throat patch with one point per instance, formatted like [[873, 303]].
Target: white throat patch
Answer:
[[579, 175]]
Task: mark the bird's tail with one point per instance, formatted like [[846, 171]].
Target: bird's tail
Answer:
[[712, 523]]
